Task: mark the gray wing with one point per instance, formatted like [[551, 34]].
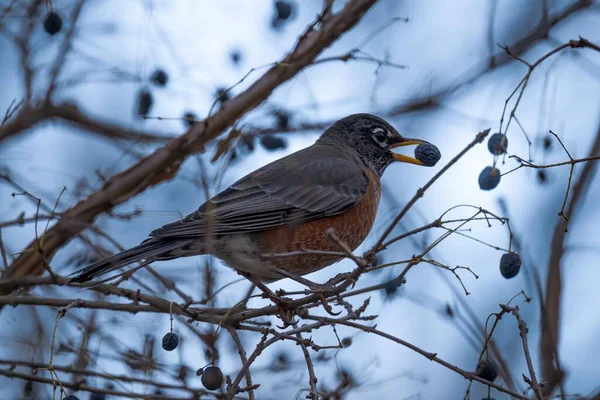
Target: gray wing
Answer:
[[303, 186]]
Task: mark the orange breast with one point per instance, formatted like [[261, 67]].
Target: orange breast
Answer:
[[352, 228]]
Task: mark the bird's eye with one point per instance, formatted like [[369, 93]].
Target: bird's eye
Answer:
[[379, 136]]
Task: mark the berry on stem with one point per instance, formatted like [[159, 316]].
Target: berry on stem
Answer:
[[510, 265], [272, 143], [489, 178], [170, 341], [53, 23], [212, 378], [497, 144], [159, 78], [487, 369]]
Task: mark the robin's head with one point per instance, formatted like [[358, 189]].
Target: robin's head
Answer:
[[372, 138]]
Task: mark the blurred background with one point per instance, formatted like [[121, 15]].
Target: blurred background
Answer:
[[90, 90]]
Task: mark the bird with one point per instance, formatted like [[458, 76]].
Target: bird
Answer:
[[277, 222]]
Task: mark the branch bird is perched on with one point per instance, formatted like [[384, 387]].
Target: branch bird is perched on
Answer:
[[285, 207]]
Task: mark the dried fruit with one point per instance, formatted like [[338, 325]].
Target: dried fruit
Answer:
[[510, 265], [487, 369], [283, 9], [283, 12], [222, 95], [159, 77], [170, 341], [271, 142], [236, 56], [541, 176], [346, 342], [489, 178], [497, 144], [189, 118], [53, 23], [212, 378], [144, 102], [547, 142], [283, 119], [428, 154]]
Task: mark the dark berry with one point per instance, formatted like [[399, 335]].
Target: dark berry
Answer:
[[281, 362], [428, 154], [189, 118], [283, 120], [547, 142], [144, 102], [346, 342], [28, 388], [248, 142], [489, 178], [487, 369], [170, 341], [236, 56], [159, 77], [97, 396], [271, 142], [53, 23], [510, 264], [212, 378], [497, 144], [541, 176], [222, 95], [71, 397], [283, 9]]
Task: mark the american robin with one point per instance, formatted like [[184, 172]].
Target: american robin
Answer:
[[274, 222]]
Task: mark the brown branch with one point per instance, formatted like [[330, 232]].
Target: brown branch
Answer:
[[81, 386], [431, 356], [242, 353], [550, 313], [523, 330], [29, 117], [163, 164]]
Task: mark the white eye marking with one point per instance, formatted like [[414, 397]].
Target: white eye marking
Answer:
[[379, 136]]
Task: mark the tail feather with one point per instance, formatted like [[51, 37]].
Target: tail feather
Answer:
[[150, 249]]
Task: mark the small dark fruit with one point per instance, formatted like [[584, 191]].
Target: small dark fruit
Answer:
[[144, 102], [159, 78], [53, 23], [428, 154], [170, 341], [547, 142], [71, 397], [236, 56], [489, 178], [189, 118], [346, 342], [510, 264], [97, 396], [497, 144], [283, 120], [487, 369], [222, 95], [542, 176], [212, 378], [283, 9], [271, 142]]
